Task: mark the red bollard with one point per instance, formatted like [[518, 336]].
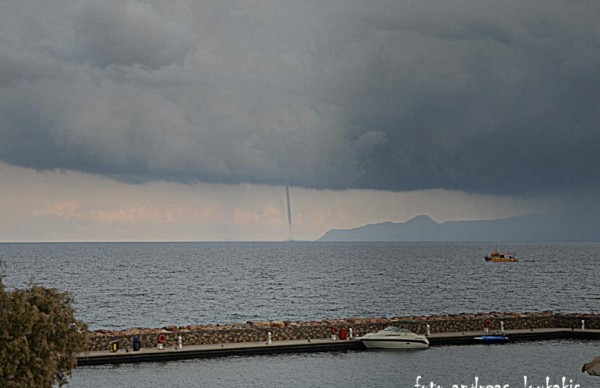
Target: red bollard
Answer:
[[343, 334]]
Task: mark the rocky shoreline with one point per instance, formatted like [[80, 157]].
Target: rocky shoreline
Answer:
[[295, 330]]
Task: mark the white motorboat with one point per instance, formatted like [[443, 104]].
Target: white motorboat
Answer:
[[394, 338]]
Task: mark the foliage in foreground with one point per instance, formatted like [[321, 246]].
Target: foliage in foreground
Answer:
[[39, 337]]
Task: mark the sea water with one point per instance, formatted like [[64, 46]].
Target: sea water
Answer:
[[124, 285], [477, 366]]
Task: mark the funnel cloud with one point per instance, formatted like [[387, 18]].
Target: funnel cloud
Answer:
[[289, 211]]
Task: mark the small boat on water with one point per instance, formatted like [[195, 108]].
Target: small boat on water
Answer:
[[501, 257], [394, 338], [492, 339]]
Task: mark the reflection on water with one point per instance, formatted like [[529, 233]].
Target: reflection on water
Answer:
[[445, 366]]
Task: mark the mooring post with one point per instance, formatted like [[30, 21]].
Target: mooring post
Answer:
[[583, 324], [502, 327], [428, 330], [269, 338], [350, 333]]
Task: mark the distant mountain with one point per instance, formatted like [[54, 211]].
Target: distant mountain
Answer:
[[577, 226]]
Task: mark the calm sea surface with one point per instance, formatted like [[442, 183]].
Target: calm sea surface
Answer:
[[123, 285], [445, 366], [156, 284]]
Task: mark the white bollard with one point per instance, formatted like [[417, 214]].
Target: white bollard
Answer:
[[583, 324], [486, 330], [269, 338], [502, 327], [428, 330], [179, 342], [350, 333]]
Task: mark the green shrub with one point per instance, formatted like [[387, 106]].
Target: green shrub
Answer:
[[39, 337]]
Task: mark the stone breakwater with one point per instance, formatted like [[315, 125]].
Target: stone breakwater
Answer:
[[297, 330]]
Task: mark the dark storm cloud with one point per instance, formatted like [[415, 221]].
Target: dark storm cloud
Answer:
[[481, 96], [129, 33]]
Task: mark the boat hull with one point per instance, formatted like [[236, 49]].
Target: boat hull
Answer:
[[380, 343], [498, 260], [490, 339]]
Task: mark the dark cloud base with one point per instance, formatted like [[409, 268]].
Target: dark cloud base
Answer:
[[498, 99]]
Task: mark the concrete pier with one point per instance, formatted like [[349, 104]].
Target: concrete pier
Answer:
[[216, 350], [518, 335], [277, 331], [314, 345]]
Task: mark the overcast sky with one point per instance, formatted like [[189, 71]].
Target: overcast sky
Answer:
[[212, 107]]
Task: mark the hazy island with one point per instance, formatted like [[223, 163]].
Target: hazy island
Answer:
[[574, 226]]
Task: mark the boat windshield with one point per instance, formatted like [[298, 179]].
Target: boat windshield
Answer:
[[394, 329]]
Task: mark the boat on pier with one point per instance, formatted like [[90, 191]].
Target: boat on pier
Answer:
[[492, 339], [394, 338]]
